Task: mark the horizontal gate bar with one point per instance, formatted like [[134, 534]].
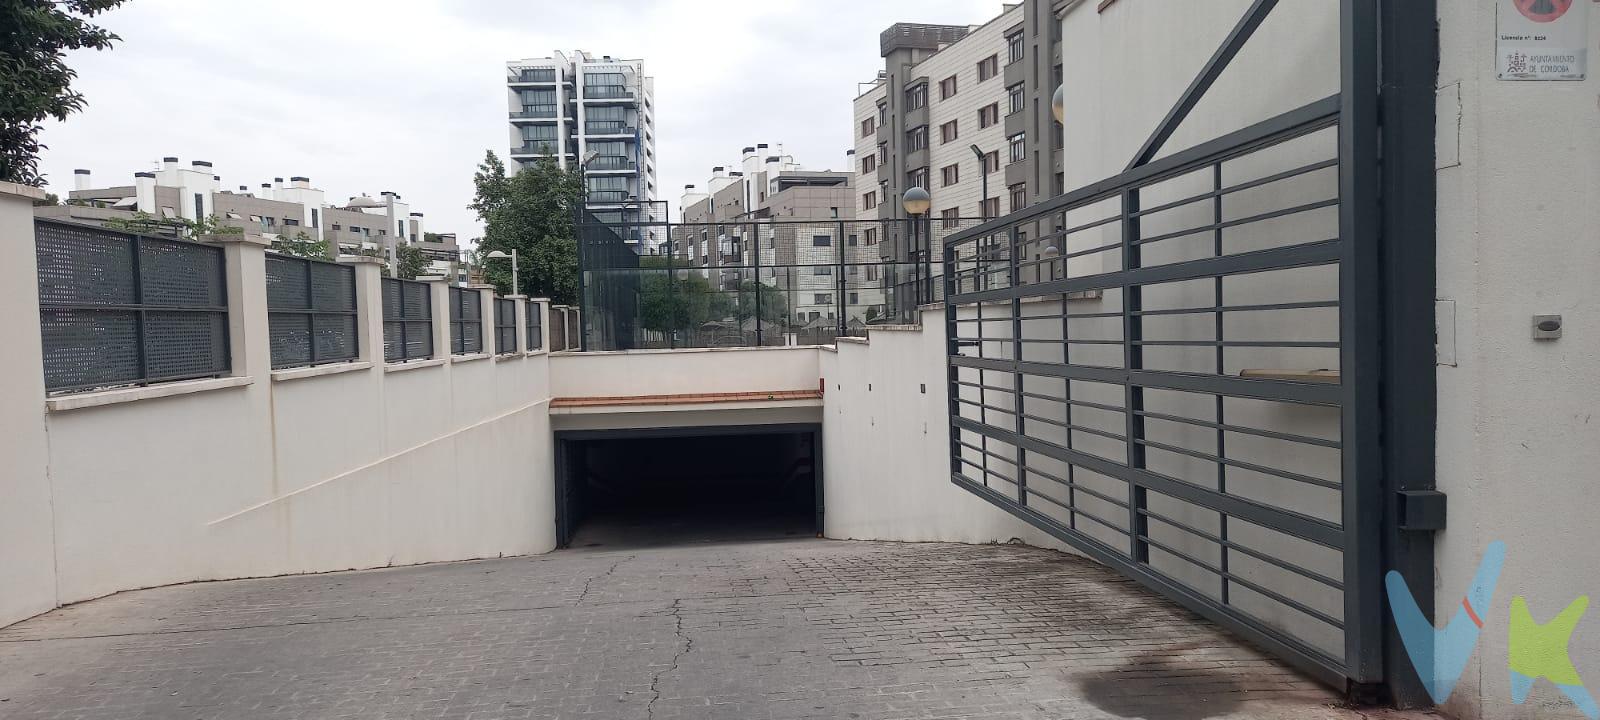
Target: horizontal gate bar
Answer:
[[1292, 523], [1306, 118], [1320, 252], [1302, 655], [1257, 389]]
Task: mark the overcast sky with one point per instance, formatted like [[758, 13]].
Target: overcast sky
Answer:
[[406, 95]]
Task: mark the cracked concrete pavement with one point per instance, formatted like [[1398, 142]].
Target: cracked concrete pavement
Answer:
[[780, 629]]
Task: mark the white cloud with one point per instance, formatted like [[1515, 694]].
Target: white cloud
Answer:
[[365, 96]]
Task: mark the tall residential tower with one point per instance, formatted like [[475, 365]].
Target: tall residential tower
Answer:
[[595, 111]]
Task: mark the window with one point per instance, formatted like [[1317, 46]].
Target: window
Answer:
[[947, 88], [850, 241], [883, 153], [991, 208], [869, 164], [991, 162], [917, 139], [949, 218], [315, 218], [199, 206], [868, 127], [869, 200], [822, 298], [883, 113], [988, 115], [855, 298], [1016, 102], [821, 241], [949, 175], [988, 67], [291, 222], [822, 270], [948, 132], [1014, 47], [872, 273], [335, 225], [1018, 150], [1019, 196], [872, 236], [917, 178], [916, 97]]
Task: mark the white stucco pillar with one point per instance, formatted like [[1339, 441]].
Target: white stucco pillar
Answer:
[[245, 263], [27, 525], [439, 296], [369, 306]]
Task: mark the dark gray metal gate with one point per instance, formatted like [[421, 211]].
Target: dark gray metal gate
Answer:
[[1176, 370]]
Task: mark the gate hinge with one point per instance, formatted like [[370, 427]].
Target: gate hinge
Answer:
[[1422, 510]]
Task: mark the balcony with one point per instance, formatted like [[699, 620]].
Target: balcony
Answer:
[[540, 148], [607, 92], [535, 112], [537, 76], [609, 127], [608, 197], [605, 163]]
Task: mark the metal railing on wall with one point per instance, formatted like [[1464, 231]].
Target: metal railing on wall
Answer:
[[407, 320], [535, 327], [119, 309], [754, 283], [311, 312], [466, 321], [505, 326]]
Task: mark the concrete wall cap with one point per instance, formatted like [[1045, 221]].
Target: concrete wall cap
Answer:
[[240, 238], [18, 189], [359, 260]]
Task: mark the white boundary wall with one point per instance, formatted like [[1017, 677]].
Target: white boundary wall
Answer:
[[886, 445], [1518, 443], [264, 473]]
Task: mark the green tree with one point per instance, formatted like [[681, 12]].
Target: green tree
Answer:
[[411, 260], [685, 303], [35, 82], [530, 212], [50, 199], [301, 245], [183, 228], [774, 306]]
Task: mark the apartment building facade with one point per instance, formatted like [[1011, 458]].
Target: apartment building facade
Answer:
[[276, 210], [957, 108], [802, 223], [596, 113]]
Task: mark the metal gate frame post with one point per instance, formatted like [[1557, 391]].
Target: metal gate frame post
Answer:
[[1410, 57], [1360, 329]]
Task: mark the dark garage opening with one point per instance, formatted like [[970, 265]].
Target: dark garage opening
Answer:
[[663, 487]]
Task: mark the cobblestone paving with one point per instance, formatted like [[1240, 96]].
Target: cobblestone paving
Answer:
[[783, 629]]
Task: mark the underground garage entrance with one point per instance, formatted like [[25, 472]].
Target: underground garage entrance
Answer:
[[687, 485]]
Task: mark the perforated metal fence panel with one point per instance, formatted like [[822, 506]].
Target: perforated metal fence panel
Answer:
[[407, 320], [311, 312], [535, 326], [466, 321], [505, 326], [120, 309]]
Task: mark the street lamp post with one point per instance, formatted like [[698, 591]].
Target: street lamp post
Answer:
[[983, 172], [916, 203], [516, 287]]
